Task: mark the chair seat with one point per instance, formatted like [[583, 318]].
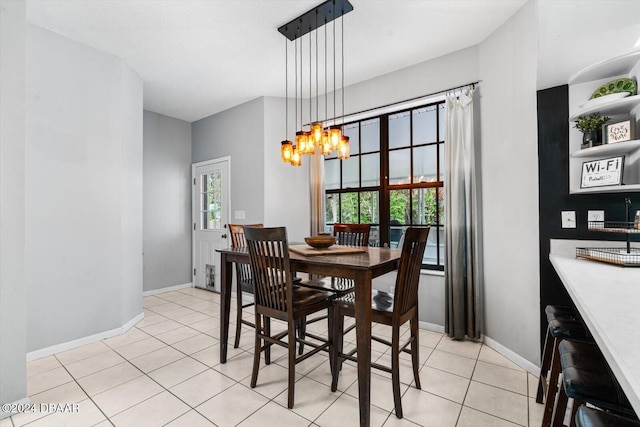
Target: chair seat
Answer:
[[570, 329], [380, 301], [337, 285], [587, 417], [303, 297], [560, 312], [587, 377]]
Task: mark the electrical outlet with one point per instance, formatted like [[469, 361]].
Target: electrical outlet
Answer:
[[568, 219], [595, 216]]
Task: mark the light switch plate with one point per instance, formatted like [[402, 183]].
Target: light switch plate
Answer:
[[568, 219], [595, 216], [238, 215]]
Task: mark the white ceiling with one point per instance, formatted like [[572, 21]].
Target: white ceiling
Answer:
[[199, 57]]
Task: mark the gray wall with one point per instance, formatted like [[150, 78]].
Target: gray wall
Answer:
[[83, 191], [286, 188], [509, 165], [237, 132], [13, 347], [167, 201]]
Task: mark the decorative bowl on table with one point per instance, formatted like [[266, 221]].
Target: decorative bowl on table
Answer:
[[321, 241]]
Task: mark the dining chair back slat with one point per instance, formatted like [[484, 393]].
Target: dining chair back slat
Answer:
[[268, 252], [352, 234], [406, 290]]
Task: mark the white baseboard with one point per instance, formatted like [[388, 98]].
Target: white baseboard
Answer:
[[69, 345], [167, 289], [18, 403], [431, 327], [514, 357]]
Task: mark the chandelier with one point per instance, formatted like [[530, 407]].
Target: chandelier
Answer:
[[316, 137]]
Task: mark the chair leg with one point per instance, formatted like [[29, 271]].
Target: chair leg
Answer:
[[395, 370], [236, 344], [554, 375], [256, 351], [292, 363], [546, 363], [415, 351], [574, 410], [267, 331], [301, 328], [560, 408], [330, 337], [337, 335]]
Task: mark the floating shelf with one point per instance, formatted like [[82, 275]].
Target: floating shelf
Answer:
[[615, 149], [609, 189], [617, 106], [612, 67]]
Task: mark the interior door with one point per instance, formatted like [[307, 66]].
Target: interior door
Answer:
[[210, 207]]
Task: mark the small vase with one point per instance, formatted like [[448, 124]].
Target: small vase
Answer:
[[592, 139]]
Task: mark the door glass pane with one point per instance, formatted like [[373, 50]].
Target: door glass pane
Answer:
[[370, 135], [424, 125], [332, 174], [351, 172], [399, 127], [371, 170], [211, 200], [349, 208], [353, 132], [400, 166], [331, 207], [369, 202], [425, 164]]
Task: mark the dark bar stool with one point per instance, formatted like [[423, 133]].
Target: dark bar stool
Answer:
[[586, 378], [564, 324], [588, 417]]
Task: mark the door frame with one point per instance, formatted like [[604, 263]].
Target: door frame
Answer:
[[193, 205]]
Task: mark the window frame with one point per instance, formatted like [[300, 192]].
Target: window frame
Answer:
[[384, 188]]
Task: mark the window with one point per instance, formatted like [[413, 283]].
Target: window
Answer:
[[406, 149]]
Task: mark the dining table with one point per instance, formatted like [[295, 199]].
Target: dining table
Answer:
[[362, 267]]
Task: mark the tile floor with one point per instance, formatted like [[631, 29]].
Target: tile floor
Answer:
[[166, 371]]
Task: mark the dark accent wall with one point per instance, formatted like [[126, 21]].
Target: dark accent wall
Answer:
[[554, 197]]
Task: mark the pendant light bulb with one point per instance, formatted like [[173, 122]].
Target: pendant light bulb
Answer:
[[343, 148], [296, 158], [286, 151]]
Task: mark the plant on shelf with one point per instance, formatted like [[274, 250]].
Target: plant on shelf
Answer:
[[591, 128]]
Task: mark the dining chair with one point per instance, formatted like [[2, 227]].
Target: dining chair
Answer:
[[346, 235], [244, 283], [392, 310], [277, 297]]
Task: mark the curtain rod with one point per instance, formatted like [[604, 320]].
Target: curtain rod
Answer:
[[472, 84]]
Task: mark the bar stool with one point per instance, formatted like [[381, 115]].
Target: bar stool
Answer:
[[588, 417], [564, 323], [586, 378]]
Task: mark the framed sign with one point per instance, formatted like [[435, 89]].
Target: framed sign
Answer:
[[618, 132], [599, 173]]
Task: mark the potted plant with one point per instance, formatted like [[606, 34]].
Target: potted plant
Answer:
[[591, 128]]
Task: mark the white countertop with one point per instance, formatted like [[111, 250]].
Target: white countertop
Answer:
[[608, 298]]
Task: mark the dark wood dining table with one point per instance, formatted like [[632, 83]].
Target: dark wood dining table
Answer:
[[361, 267]]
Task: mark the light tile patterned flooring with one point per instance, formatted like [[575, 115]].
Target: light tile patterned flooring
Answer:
[[166, 371]]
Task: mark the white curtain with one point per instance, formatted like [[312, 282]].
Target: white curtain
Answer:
[[463, 255], [316, 171]]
